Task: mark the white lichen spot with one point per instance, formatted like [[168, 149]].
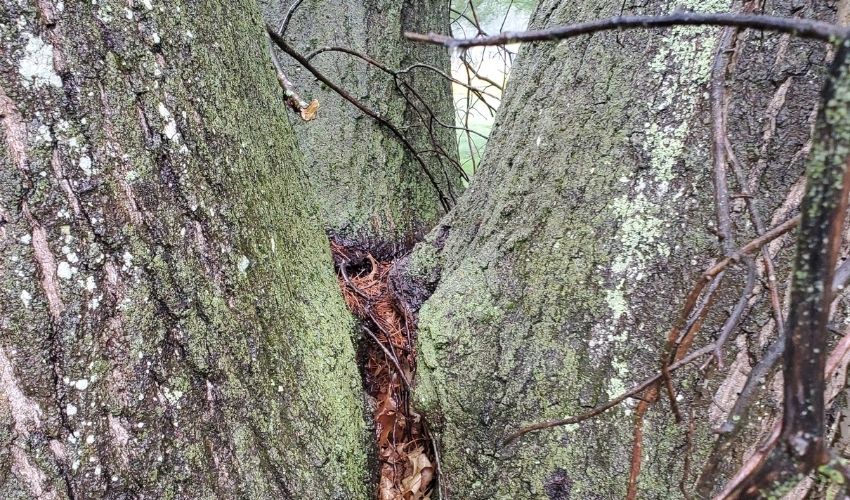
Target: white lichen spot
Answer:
[[148, 4], [81, 384], [617, 386], [70, 410], [75, 465], [170, 129], [26, 298], [243, 263], [90, 284], [85, 165], [36, 66], [89, 439], [63, 270], [640, 234], [26, 239], [43, 134], [172, 396]]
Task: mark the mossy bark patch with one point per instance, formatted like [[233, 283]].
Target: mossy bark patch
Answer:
[[170, 316], [567, 260]]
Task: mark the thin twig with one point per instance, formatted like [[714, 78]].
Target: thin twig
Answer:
[[598, 410], [754, 245], [758, 222], [437, 462], [288, 17], [738, 312], [389, 356]]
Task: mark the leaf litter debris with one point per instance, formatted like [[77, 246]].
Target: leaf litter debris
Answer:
[[407, 469]]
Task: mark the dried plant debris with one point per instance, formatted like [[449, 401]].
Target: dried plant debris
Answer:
[[407, 465]]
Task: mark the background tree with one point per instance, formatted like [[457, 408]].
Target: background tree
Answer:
[[171, 326], [370, 186]]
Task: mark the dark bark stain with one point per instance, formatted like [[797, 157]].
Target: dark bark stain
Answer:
[[559, 485]]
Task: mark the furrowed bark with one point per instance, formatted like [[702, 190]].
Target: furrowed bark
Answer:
[[801, 447], [567, 262], [171, 325]]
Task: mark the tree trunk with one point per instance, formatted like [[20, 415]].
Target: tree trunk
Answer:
[[568, 260], [370, 187], [171, 327]]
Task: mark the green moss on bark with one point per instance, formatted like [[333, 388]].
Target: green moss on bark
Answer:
[[570, 254], [200, 306]]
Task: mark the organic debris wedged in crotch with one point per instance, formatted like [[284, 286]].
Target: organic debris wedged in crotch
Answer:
[[405, 452]]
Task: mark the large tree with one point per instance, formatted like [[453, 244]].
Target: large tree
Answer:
[[171, 326], [566, 264]]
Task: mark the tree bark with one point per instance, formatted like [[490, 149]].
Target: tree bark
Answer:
[[567, 262], [170, 326], [371, 188]]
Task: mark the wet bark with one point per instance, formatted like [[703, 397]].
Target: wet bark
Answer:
[[566, 263], [170, 325]]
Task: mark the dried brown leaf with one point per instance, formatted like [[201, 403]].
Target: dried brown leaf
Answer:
[[309, 113], [422, 472]]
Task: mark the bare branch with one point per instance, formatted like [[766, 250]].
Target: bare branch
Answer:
[[289, 15], [806, 28], [307, 110]]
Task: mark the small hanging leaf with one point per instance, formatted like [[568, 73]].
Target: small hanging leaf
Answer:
[[309, 113]]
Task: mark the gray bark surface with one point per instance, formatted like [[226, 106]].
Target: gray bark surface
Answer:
[[368, 185], [567, 261], [170, 326]]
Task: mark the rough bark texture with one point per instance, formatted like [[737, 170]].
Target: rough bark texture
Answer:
[[567, 261], [169, 323], [369, 186]]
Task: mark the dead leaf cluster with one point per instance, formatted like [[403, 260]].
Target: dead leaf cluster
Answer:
[[406, 467]]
